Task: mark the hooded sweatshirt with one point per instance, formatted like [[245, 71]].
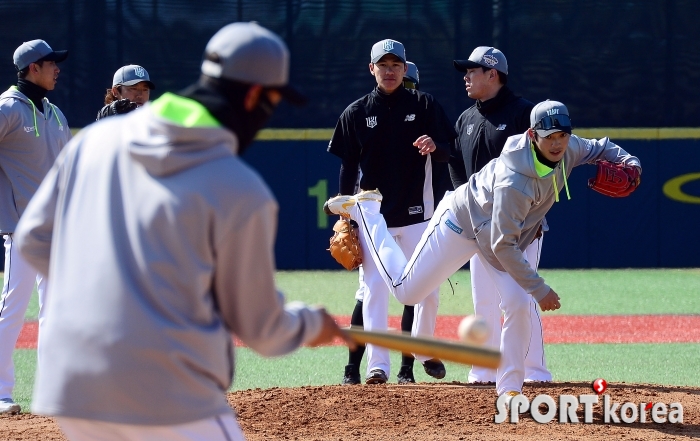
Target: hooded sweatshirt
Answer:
[[158, 243], [29, 143], [505, 202]]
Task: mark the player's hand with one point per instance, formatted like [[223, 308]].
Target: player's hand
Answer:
[[550, 302], [329, 331], [425, 145]]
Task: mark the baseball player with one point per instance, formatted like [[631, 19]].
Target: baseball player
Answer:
[[131, 88], [482, 131], [390, 137], [440, 185], [159, 244], [32, 132], [496, 214]]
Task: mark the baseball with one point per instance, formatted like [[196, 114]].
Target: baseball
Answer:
[[473, 329]]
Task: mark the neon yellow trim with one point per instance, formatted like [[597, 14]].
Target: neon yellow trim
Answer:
[[566, 183], [36, 128], [55, 114], [183, 111], [541, 169]]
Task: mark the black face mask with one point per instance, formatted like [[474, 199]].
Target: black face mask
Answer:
[[224, 100], [254, 121]]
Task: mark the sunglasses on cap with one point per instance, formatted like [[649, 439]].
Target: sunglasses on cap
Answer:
[[409, 84], [553, 122]]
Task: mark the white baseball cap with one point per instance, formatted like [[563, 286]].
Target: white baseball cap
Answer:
[[250, 53]]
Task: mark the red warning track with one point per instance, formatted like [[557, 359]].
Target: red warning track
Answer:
[[557, 329]]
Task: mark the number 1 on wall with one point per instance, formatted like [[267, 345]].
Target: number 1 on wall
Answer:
[[320, 192]]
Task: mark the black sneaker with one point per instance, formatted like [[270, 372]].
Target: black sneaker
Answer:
[[376, 376], [435, 368], [405, 375], [352, 375]]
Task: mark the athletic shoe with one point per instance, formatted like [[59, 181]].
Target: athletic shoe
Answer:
[[435, 368], [9, 406], [352, 375], [510, 395], [405, 375], [376, 376], [341, 204]]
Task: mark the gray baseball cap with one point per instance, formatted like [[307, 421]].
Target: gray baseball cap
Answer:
[[130, 75], [35, 50], [387, 46], [550, 117], [484, 56], [412, 73], [250, 53]]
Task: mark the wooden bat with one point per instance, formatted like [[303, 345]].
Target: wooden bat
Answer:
[[445, 350]]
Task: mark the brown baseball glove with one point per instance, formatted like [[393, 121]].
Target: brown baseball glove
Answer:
[[345, 244], [615, 180]]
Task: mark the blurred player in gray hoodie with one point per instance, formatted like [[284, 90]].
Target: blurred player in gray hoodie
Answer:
[[496, 215], [159, 245]]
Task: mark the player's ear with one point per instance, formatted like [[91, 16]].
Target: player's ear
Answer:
[[252, 97], [371, 68]]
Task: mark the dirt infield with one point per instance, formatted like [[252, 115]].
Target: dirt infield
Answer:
[[426, 411]]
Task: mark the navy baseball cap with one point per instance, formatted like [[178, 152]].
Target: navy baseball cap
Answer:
[[250, 53], [484, 56], [411, 73], [36, 50], [388, 46], [130, 75], [550, 117]]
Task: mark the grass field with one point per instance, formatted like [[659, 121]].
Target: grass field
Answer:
[[583, 292]]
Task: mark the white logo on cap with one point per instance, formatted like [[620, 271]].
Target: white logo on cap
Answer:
[[140, 72], [553, 112], [490, 60], [371, 121], [388, 45]]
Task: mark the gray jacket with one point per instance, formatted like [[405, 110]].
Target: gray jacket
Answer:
[[159, 244], [506, 201], [29, 144]]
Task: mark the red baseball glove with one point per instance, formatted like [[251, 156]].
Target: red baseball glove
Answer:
[[345, 244], [615, 180]]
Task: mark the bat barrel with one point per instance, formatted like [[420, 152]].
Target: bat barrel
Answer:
[[428, 346]]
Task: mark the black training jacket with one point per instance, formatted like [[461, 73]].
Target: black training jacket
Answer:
[[377, 133], [482, 131]]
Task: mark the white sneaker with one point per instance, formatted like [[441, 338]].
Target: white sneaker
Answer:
[[9, 406], [510, 394], [341, 204]]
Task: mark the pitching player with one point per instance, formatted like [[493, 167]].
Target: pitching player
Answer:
[[390, 137], [482, 131], [496, 214], [131, 88], [32, 132], [159, 244]]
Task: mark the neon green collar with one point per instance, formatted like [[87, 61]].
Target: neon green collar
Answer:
[[183, 111], [541, 169]]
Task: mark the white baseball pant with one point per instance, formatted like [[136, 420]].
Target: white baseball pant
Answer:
[[487, 304], [17, 288], [444, 249], [375, 296], [218, 428]]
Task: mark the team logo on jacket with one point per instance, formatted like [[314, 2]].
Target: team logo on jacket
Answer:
[[470, 129], [140, 72], [28, 129], [453, 227], [501, 127], [371, 121], [411, 117]]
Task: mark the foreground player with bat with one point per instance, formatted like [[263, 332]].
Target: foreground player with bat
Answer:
[[495, 214], [158, 241]]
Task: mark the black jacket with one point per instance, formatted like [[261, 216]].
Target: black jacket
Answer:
[[376, 135], [482, 131]]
